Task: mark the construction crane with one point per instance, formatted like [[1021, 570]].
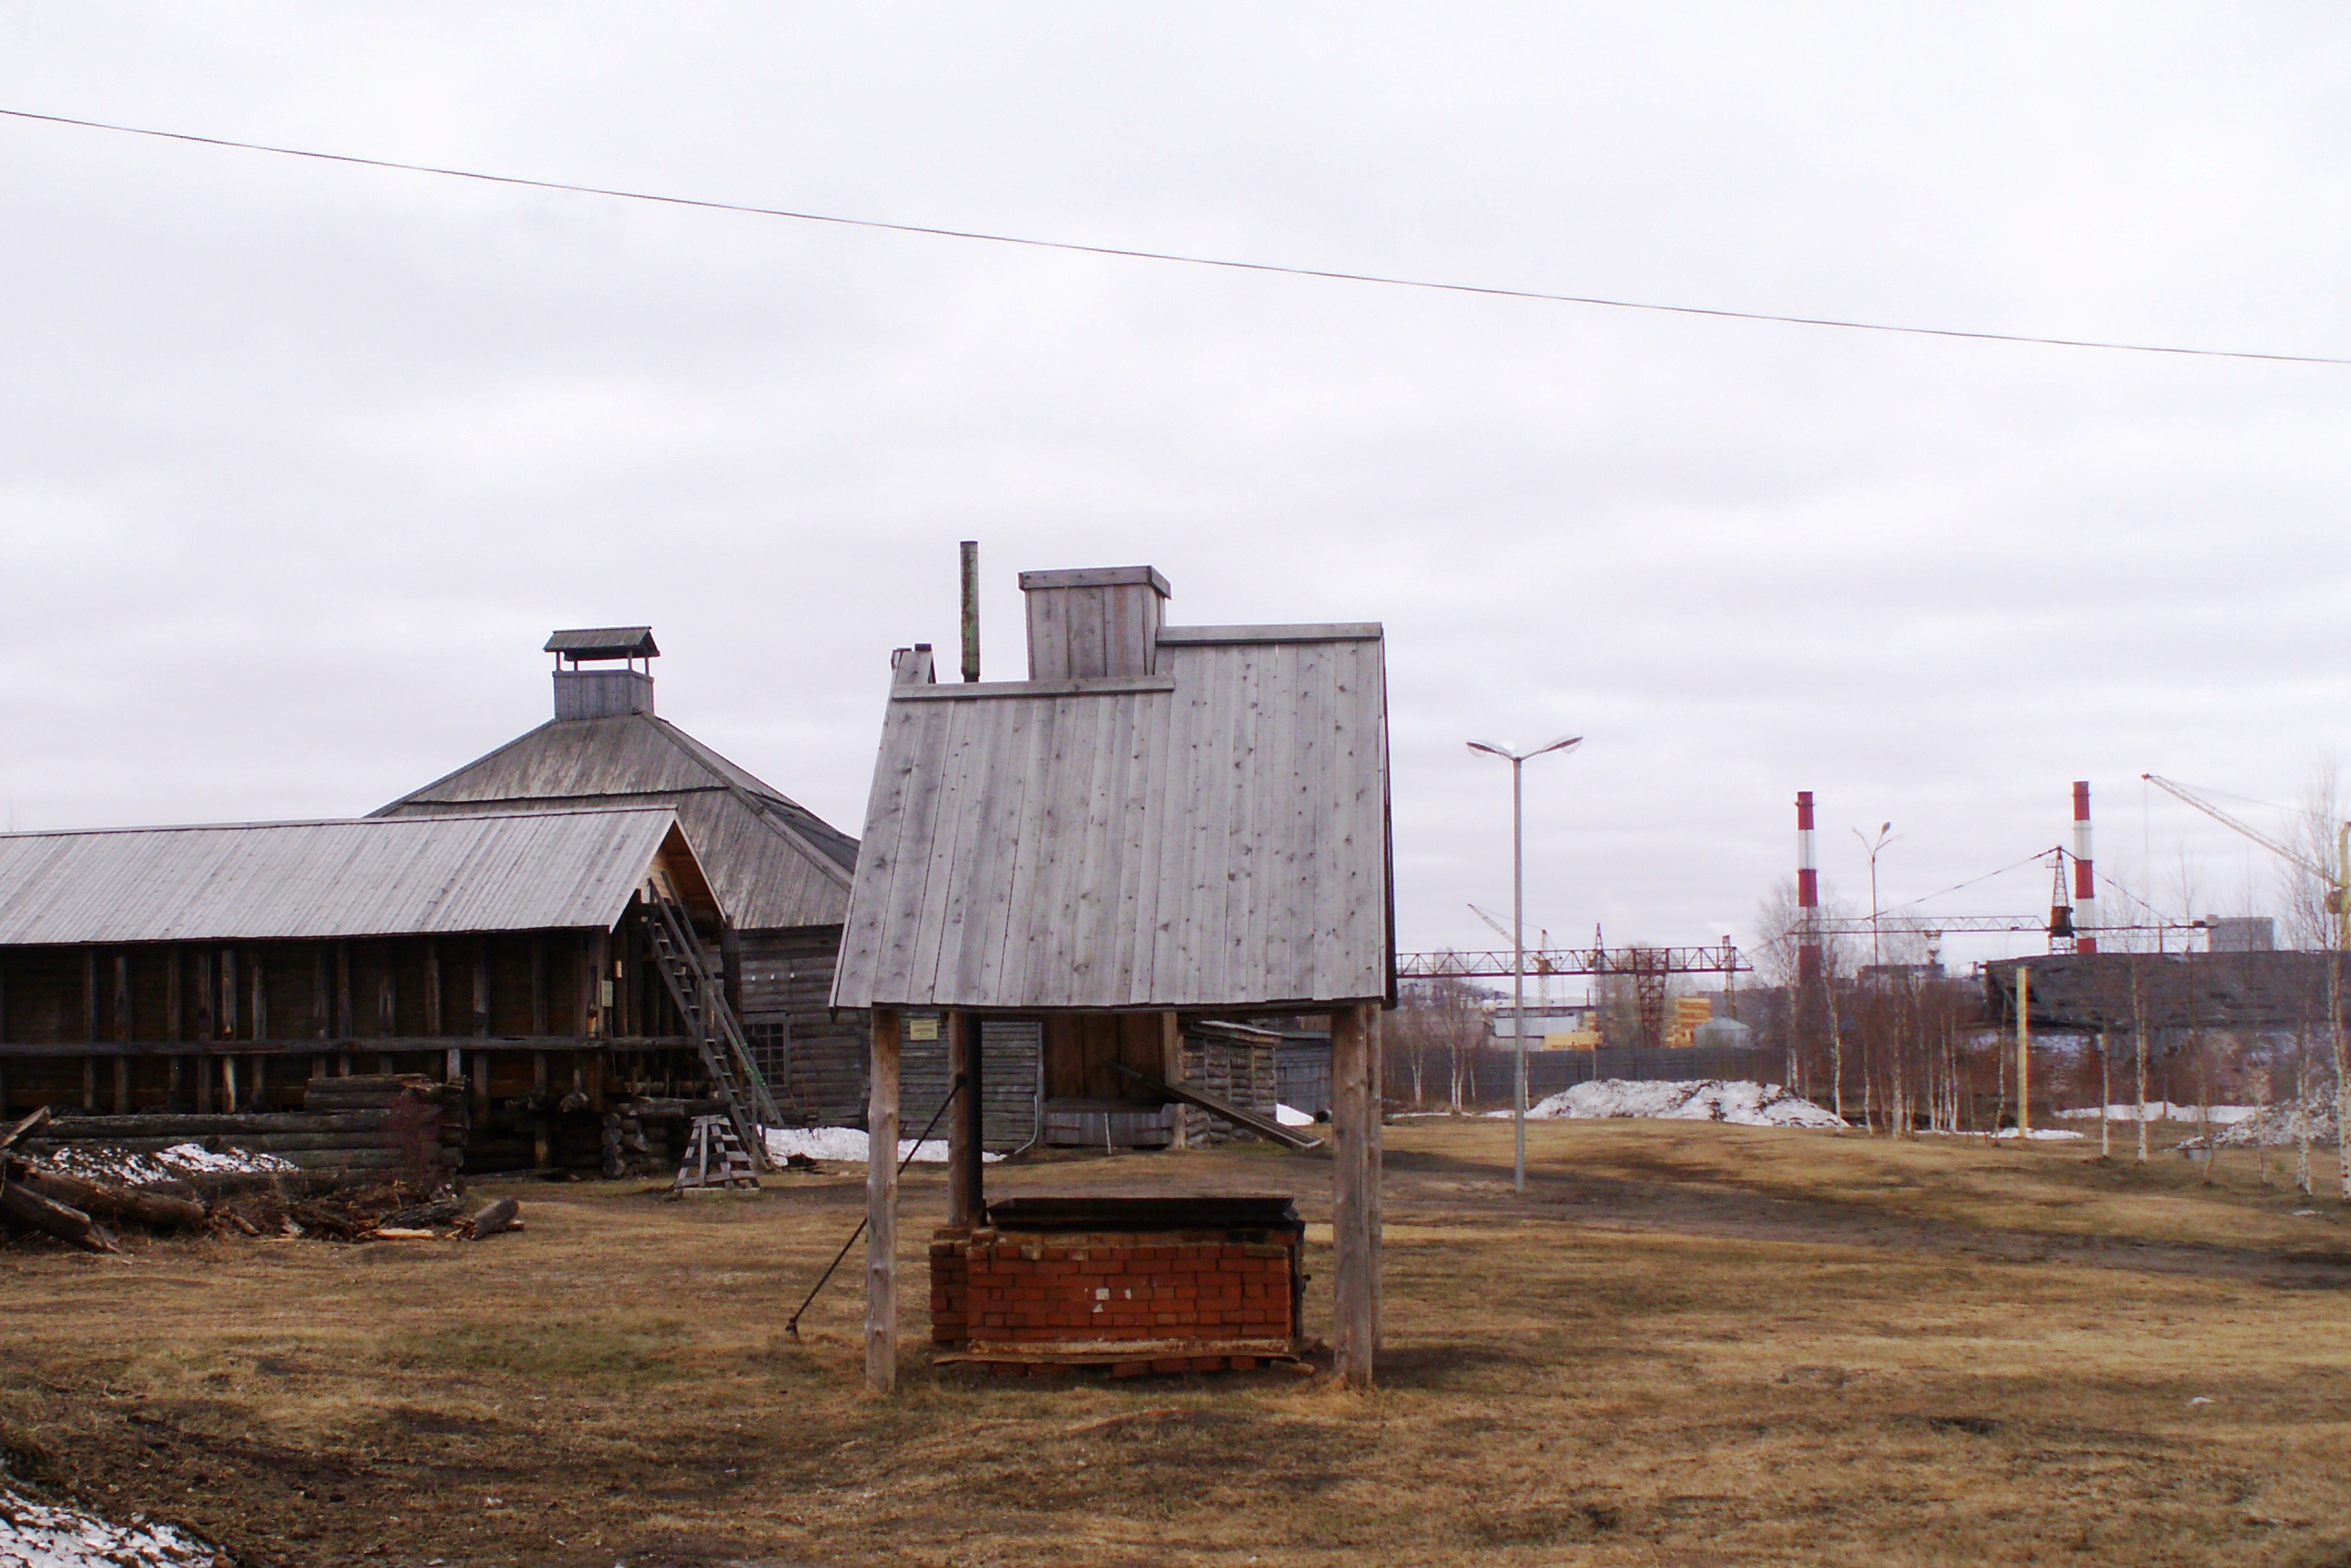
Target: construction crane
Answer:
[[2338, 898]]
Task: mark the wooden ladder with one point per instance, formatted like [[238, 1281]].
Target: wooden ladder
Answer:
[[714, 1157], [725, 1054]]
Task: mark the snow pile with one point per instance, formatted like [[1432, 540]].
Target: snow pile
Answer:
[[1737, 1101], [135, 1168], [32, 1536], [2281, 1127], [2166, 1111], [2039, 1133], [846, 1145], [1289, 1116]]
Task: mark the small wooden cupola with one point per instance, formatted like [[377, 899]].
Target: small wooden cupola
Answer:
[[603, 692]]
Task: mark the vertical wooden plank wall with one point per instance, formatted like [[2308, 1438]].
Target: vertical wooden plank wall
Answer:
[[882, 1207]]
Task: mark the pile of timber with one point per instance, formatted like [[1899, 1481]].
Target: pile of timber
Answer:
[[372, 1128], [77, 1211]]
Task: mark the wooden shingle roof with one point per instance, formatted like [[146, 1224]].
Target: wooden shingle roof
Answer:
[[771, 861], [1213, 835]]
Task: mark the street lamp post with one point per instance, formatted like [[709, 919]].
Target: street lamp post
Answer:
[[1517, 760]]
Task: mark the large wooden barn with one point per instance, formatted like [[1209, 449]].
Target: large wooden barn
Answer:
[[1162, 824], [553, 962], [779, 873]]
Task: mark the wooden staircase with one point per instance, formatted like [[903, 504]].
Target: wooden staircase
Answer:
[[749, 1103]]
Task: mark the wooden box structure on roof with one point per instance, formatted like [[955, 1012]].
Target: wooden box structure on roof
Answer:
[[1161, 824], [544, 959]]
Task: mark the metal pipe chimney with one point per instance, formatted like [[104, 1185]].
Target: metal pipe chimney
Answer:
[[1807, 895], [2085, 882]]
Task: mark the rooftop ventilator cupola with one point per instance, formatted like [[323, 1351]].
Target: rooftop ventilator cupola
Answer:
[[603, 692]]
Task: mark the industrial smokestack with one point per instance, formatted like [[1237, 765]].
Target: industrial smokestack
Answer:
[[971, 611], [1807, 895], [2085, 882]]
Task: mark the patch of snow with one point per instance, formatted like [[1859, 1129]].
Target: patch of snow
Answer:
[[2041, 1133], [132, 1168], [1287, 1117], [846, 1145], [1735, 1101], [2165, 1111], [35, 1536]]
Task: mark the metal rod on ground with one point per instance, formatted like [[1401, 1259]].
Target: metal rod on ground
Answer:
[[792, 1323]]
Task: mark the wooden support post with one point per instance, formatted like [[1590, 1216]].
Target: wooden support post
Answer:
[[882, 1207], [173, 1069], [432, 988], [1375, 1148], [387, 1003], [175, 1016], [453, 1065], [121, 1033], [228, 996], [2023, 1052], [481, 987], [480, 1084], [543, 1120], [89, 995], [538, 985], [1352, 1172], [260, 1009], [228, 1082], [89, 1084], [258, 1090], [322, 997], [204, 1012], [964, 1200], [346, 1022], [1170, 1070]]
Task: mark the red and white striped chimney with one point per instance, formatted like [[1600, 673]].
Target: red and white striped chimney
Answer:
[[2085, 882], [1807, 895]]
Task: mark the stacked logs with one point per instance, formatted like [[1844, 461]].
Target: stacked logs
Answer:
[[368, 1128], [74, 1211]]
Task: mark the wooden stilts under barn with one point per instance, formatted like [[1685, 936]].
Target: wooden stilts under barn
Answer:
[[227, 960], [1161, 831]]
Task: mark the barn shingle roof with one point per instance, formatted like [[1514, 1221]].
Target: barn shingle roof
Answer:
[[771, 861], [372, 877]]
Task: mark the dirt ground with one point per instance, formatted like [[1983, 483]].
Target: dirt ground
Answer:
[[1685, 1345]]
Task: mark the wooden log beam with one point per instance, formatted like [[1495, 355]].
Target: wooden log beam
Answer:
[[964, 1199], [157, 1211], [23, 1206], [881, 1207], [1352, 1170]]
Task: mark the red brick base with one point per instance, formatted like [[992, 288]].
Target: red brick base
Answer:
[[1059, 1292]]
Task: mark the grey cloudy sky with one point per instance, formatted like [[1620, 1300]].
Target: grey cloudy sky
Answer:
[[299, 463]]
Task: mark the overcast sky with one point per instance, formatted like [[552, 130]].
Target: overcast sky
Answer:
[[299, 463]]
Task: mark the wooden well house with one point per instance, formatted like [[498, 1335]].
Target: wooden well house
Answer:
[[1162, 826], [554, 963]]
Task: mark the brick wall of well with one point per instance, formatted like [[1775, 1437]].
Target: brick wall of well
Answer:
[[997, 1287]]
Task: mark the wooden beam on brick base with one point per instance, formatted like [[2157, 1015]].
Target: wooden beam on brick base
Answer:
[[967, 1194], [882, 1207], [1355, 1175]]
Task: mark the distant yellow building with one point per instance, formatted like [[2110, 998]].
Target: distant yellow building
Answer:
[[1572, 1040], [1684, 1015]]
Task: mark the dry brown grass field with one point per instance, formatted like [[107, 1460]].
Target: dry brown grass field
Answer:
[[1685, 1345]]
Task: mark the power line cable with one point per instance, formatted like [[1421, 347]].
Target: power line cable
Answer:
[[1230, 264]]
